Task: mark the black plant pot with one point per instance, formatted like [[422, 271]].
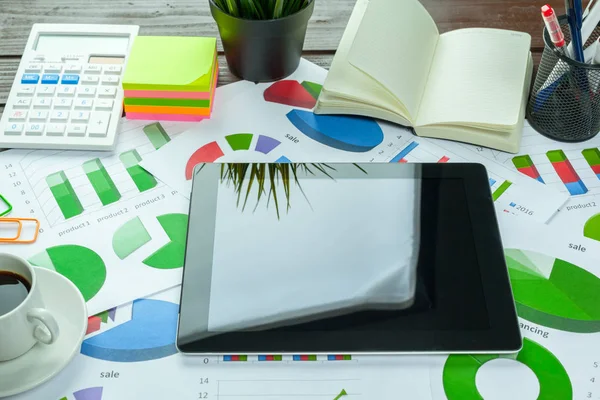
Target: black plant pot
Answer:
[[262, 50]]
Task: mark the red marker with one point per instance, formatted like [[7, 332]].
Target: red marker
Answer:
[[553, 27]]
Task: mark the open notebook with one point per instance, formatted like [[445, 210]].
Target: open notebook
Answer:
[[469, 85]]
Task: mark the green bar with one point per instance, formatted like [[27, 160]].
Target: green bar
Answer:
[[239, 141], [522, 161], [312, 358], [64, 194], [500, 191], [243, 358], [592, 156], [556, 156], [142, 178], [347, 357], [277, 358], [342, 394], [101, 181], [157, 135]]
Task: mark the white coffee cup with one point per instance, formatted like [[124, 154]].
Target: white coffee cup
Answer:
[[29, 322]]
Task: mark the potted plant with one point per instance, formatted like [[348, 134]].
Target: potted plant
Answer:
[[262, 39]]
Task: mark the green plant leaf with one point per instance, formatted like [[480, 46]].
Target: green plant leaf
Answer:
[[278, 9], [233, 8]]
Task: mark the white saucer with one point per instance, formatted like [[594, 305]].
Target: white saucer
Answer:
[[42, 362]]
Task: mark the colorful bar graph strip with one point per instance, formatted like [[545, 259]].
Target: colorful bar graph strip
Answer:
[[64, 194], [500, 191], [444, 159], [101, 181], [235, 358], [142, 178], [270, 358], [157, 135], [525, 165], [404, 152], [592, 156], [339, 357], [304, 357], [566, 172]]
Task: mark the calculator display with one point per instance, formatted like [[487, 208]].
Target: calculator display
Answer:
[[106, 60], [81, 44]]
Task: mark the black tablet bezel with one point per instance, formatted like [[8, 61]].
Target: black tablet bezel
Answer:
[[502, 336]]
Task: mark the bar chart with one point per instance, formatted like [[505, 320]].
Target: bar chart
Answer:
[[101, 181], [592, 156], [72, 184], [525, 165], [142, 179], [566, 172]]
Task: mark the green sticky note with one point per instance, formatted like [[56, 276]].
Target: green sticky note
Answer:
[[173, 63]]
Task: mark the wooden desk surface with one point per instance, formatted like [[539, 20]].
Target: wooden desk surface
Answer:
[[192, 18]]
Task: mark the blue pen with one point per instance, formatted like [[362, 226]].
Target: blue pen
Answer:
[[574, 16]]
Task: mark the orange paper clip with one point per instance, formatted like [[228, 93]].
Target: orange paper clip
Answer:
[[17, 239], [19, 228]]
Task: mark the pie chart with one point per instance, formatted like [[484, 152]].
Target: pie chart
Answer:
[[79, 264], [460, 372], [591, 229], [149, 335], [212, 151], [133, 234], [294, 94], [348, 133], [93, 393], [553, 292]]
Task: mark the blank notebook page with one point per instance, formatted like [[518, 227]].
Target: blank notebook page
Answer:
[[477, 77], [353, 244], [395, 45]]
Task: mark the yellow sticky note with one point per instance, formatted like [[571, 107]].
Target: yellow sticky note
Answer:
[[173, 63]]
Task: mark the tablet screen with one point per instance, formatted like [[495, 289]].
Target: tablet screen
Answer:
[[326, 242], [320, 257]]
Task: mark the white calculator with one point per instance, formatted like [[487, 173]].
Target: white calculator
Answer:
[[67, 93]]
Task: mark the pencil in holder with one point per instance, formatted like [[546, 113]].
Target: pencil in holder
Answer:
[[564, 103]]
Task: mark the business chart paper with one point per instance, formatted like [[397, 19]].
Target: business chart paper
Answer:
[[274, 123], [138, 360], [572, 168], [556, 281], [555, 277], [106, 224]]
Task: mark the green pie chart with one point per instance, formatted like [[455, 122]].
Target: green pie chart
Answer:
[[460, 371], [553, 292], [79, 264], [133, 234], [591, 229]]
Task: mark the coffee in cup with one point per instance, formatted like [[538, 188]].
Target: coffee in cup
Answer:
[[13, 290], [23, 319]]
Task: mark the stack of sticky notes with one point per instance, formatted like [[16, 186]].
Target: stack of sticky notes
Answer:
[[171, 78]]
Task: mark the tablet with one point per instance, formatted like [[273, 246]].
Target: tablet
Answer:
[[344, 258]]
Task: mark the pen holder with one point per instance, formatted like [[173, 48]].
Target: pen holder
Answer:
[[564, 103]]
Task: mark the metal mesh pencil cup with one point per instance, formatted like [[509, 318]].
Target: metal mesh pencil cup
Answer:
[[564, 103]]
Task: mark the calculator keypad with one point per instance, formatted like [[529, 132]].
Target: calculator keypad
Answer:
[[71, 99]]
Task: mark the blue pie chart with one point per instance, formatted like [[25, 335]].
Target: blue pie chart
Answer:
[[348, 133], [149, 335]]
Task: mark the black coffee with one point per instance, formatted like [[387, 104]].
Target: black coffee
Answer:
[[13, 291]]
